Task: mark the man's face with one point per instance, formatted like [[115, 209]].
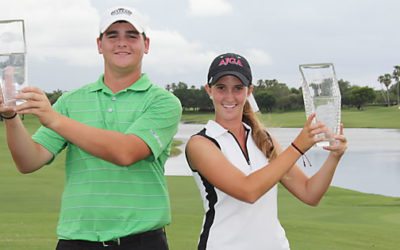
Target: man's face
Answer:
[[122, 47]]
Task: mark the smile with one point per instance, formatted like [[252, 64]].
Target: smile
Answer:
[[122, 53], [229, 106]]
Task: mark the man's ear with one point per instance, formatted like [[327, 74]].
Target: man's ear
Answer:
[[99, 49], [146, 45]]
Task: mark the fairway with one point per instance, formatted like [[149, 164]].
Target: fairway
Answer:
[[345, 220], [370, 117]]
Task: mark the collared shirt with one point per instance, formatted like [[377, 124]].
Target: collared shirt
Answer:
[[228, 222], [101, 200]]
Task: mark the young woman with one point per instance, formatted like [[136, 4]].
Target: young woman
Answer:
[[237, 165]]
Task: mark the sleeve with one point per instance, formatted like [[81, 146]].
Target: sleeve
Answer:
[[159, 123]]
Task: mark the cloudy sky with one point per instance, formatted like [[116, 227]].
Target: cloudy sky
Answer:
[[361, 38]]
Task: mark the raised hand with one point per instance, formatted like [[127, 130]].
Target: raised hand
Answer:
[[37, 104], [307, 137], [339, 145]]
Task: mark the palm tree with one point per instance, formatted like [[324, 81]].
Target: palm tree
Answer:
[[386, 80], [396, 77]]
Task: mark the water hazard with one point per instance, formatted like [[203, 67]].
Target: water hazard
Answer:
[[370, 165]]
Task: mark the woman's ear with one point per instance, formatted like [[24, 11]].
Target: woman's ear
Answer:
[[208, 89], [250, 91]]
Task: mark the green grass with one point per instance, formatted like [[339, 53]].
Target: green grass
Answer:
[[174, 148], [345, 220], [370, 117]]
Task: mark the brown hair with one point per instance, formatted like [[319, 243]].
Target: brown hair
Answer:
[[260, 135]]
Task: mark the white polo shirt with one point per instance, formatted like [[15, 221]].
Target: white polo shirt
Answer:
[[232, 224]]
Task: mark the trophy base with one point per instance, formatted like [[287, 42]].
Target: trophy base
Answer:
[[326, 143], [323, 144]]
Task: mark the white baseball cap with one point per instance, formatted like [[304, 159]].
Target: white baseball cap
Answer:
[[122, 13]]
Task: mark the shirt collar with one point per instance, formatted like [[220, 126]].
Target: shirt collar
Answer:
[[214, 129], [142, 84]]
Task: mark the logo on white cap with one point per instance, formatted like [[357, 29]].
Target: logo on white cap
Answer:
[[121, 14], [120, 11]]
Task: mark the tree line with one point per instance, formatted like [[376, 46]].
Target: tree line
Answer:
[[274, 96], [386, 80]]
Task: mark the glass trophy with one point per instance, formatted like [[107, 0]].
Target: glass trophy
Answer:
[[321, 95], [12, 60]]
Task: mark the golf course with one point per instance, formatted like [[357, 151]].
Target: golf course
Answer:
[[344, 220]]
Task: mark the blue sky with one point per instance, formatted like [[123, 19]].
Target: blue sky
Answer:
[[360, 37]]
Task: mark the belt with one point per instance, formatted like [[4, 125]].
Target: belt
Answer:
[[132, 238], [129, 239]]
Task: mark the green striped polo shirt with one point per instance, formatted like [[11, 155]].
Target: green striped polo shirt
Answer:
[[101, 200]]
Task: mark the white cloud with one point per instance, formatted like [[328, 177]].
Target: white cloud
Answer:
[[209, 7], [173, 57], [62, 30], [258, 57], [61, 37], [171, 54]]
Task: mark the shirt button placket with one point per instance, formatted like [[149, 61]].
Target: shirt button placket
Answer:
[[110, 110]]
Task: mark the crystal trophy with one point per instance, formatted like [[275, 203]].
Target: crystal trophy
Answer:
[[12, 60], [321, 95]]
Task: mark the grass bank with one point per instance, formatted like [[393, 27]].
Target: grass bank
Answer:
[[345, 220], [370, 117]]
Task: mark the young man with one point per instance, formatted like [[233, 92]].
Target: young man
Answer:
[[117, 132]]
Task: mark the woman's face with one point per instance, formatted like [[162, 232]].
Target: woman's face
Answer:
[[228, 95]]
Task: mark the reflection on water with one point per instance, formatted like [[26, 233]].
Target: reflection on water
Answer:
[[371, 163]]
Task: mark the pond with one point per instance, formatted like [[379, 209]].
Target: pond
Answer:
[[370, 165]]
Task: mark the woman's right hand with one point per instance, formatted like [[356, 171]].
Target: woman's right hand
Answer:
[[307, 137]]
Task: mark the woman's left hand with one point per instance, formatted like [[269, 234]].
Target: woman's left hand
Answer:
[[339, 145]]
